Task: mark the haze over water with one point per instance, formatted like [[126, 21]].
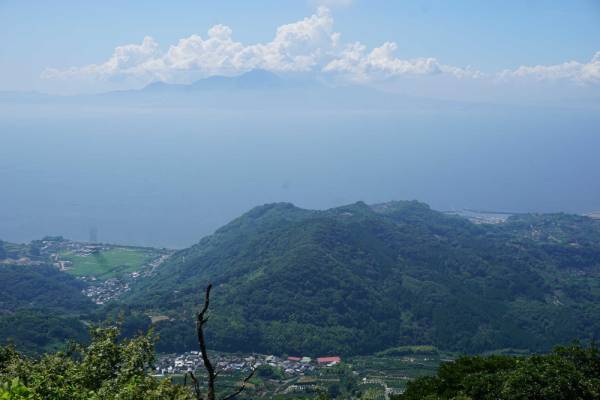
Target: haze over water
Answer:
[[167, 178]]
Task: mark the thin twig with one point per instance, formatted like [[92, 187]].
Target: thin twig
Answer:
[[242, 387], [196, 386]]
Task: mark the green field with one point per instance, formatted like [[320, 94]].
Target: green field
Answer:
[[397, 371], [107, 264]]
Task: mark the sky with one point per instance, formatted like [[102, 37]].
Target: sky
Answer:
[[491, 105], [77, 47]]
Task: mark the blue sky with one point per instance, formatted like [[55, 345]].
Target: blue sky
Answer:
[[488, 36]]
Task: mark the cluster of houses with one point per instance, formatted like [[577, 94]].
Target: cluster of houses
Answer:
[[20, 261], [191, 361], [480, 217], [593, 215], [101, 292]]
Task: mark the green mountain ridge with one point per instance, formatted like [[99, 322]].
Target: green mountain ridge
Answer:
[[359, 279]]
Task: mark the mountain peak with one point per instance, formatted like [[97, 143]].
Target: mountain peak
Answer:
[[254, 80], [258, 79]]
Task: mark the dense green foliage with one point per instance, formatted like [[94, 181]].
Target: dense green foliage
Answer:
[[568, 373], [360, 279], [37, 287], [15, 251], [105, 369], [41, 307], [268, 372], [37, 331]]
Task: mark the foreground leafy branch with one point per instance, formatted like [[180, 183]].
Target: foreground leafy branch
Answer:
[[107, 368]]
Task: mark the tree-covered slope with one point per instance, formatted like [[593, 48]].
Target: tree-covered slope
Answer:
[[359, 278], [23, 286], [40, 307], [567, 373]]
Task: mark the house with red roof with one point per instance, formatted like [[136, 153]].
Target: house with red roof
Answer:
[[329, 360]]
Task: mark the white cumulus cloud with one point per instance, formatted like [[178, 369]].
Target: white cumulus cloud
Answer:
[[129, 59], [298, 46], [360, 65], [574, 71]]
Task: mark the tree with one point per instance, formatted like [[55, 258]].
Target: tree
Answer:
[[106, 369], [333, 391], [268, 372], [568, 373], [201, 320]]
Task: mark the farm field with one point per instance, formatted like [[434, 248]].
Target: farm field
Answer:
[[107, 264]]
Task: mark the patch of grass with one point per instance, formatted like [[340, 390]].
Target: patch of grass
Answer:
[[409, 350], [107, 264]]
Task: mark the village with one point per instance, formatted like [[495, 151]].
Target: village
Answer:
[[294, 376], [280, 375], [173, 364], [101, 292]]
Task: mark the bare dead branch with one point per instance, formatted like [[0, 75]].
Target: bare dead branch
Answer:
[[200, 321], [242, 386], [196, 385]]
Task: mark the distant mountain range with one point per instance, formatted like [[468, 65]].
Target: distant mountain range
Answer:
[[253, 80], [256, 89], [261, 88], [360, 279]]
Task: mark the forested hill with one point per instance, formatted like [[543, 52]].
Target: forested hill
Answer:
[[41, 307], [41, 287], [359, 278]]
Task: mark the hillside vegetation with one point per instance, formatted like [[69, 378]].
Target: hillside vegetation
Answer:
[[360, 279], [567, 373], [40, 307]]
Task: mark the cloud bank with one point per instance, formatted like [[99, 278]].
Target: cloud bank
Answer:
[[296, 47], [579, 73], [308, 45]]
